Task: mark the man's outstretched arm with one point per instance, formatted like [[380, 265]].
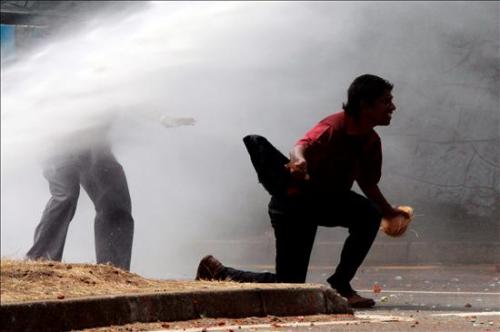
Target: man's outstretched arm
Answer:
[[375, 195]]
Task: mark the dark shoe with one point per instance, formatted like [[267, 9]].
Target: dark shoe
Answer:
[[209, 269], [353, 298], [357, 301]]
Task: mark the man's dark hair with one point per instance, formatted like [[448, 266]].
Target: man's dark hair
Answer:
[[365, 88]]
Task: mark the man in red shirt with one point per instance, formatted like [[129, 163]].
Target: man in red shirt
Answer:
[[324, 164]]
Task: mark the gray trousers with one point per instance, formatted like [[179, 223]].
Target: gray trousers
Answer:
[[103, 178]]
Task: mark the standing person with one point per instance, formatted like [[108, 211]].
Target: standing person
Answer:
[[92, 165], [339, 150]]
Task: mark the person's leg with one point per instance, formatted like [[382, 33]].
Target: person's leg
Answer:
[[294, 232], [362, 218], [229, 273], [294, 241], [50, 234], [106, 184], [212, 269], [293, 250]]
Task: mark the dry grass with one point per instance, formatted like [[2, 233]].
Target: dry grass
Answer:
[[23, 281]]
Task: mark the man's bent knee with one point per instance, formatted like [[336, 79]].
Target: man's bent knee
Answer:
[[368, 218]]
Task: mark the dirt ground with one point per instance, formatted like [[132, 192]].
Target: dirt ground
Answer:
[[23, 281]]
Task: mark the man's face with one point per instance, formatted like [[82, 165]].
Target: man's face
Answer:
[[380, 112]]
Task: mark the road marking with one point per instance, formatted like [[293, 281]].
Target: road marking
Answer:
[[360, 319], [382, 318], [431, 292], [468, 314]]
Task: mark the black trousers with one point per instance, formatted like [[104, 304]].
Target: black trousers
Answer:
[[295, 221], [103, 178]]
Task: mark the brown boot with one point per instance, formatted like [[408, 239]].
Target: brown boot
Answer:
[[357, 301], [209, 269]]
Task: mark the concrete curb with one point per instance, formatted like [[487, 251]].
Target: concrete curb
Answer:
[[83, 313]]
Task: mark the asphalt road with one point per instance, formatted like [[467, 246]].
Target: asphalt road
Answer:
[[425, 298], [423, 287], [373, 321], [412, 298], [436, 298], [436, 288]]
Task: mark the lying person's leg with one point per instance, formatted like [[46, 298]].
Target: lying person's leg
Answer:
[[211, 268]]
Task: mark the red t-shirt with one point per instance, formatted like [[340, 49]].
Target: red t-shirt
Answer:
[[336, 159]]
